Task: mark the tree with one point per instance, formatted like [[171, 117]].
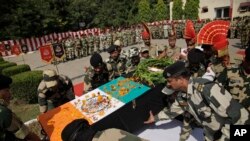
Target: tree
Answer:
[[160, 11], [82, 11], [177, 9], [144, 11], [191, 10]]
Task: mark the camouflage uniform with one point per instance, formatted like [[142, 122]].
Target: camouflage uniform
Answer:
[[78, 48], [49, 99], [173, 53], [97, 43], [91, 45], [237, 83], [133, 55], [243, 34], [232, 29], [84, 44], [178, 107], [115, 135], [109, 39], [214, 108], [125, 38], [11, 127], [153, 51], [104, 42], [116, 67], [68, 44], [93, 80]]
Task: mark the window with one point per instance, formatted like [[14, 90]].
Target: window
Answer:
[[226, 12], [204, 9], [244, 7], [222, 12], [218, 13]]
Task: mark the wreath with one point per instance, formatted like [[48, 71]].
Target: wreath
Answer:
[[150, 71]]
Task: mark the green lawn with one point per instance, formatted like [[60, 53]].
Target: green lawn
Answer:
[[24, 111], [27, 112]]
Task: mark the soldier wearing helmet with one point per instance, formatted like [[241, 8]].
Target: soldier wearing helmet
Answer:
[[133, 59], [54, 90], [97, 74]]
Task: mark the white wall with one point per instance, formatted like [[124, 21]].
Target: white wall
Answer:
[[236, 4], [211, 5]]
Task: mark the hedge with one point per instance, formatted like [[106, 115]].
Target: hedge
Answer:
[[15, 69], [3, 62], [1, 59], [25, 84], [6, 65]]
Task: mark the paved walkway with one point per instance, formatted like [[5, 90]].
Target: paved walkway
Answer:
[[74, 69]]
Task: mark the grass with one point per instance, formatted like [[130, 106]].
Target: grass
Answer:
[[27, 112], [23, 110]]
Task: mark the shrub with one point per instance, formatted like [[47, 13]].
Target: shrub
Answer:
[[15, 69], [6, 65], [3, 62], [25, 84], [1, 59]]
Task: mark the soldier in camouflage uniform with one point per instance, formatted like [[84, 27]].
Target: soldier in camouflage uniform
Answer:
[[109, 39], [115, 63], [175, 107], [97, 42], [244, 37], [103, 41], [97, 74], [125, 38], [237, 81], [133, 59], [209, 103], [54, 90], [11, 127], [172, 51], [84, 44], [238, 28], [78, 47], [69, 48], [73, 132], [232, 29], [91, 44]]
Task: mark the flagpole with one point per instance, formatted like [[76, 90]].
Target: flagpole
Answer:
[[55, 63], [23, 58]]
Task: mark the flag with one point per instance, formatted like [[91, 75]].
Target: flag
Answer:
[[46, 53]]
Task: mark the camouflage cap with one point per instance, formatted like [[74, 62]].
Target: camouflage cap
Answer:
[[50, 78], [175, 69], [5, 82]]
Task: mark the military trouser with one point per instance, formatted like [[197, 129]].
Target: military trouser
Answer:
[[98, 48], [243, 40], [91, 50], [70, 54], [84, 52], [79, 52], [232, 33]]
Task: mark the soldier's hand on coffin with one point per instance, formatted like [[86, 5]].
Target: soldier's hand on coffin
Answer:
[[151, 118]]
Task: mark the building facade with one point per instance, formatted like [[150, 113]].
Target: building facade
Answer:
[[220, 9]]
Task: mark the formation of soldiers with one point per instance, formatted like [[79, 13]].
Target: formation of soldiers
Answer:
[[87, 44]]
